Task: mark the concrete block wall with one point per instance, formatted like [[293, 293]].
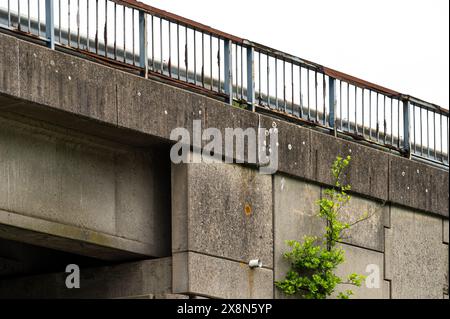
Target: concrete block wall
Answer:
[[63, 184], [217, 228], [295, 215], [402, 252], [416, 255]]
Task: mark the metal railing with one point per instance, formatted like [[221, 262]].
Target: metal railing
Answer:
[[162, 44]]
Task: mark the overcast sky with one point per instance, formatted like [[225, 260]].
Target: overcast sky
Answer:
[[400, 44]]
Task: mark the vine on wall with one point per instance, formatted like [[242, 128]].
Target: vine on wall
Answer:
[[314, 260]]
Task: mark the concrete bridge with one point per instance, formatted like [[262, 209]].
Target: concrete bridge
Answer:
[[86, 179]]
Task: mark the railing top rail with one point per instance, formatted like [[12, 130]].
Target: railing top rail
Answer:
[[360, 82], [283, 55], [427, 105]]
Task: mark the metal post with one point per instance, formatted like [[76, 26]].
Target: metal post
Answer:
[[406, 128], [251, 77], [143, 59], [228, 70], [332, 103], [50, 24]]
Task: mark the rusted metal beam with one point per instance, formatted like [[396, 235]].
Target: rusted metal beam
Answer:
[[359, 82]]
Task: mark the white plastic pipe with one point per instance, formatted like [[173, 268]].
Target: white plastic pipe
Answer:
[[255, 263]]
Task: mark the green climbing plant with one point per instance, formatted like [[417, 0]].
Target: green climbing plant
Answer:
[[315, 260]]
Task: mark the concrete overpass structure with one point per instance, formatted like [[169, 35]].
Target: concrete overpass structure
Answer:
[[86, 178]]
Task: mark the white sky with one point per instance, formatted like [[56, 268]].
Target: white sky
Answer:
[[400, 44]]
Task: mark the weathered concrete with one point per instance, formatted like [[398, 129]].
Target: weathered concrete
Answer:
[[295, 216], [9, 59], [110, 200], [294, 147], [48, 77], [150, 277], [369, 233], [369, 169], [418, 185], [231, 219], [21, 259], [416, 259], [295, 213], [363, 262], [40, 78], [73, 239], [61, 183], [214, 277]]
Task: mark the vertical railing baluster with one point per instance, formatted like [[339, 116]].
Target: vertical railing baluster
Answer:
[[9, 13], [362, 112], [378, 122], [406, 128], [324, 89], [356, 110], [414, 126], [434, 135], [315, 96], [78, 24], [202, 72], [133, 37], [236, 75], [124, 36], [421, 131], [300, 90], [153, 45], [115, 31], [308, 91], [143, 43], [284, 85], [50, 24], [105, 31], [292, 88], [242, 72], [18, 16], [29, 17], [211, 61], [348, 107], [276, 83], [219, 66], [68, 24], [178, 52], [384, 119], [228, 70], [370, 114], [332, 103], [392, 125], [59, 20], [268, 80], [195, 56], [39, 17], [441, 138], [251, 77], [96, 27], [341, 119], [259, 78], [428, 133], [186, 53], [169, 63], [161, 51]]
